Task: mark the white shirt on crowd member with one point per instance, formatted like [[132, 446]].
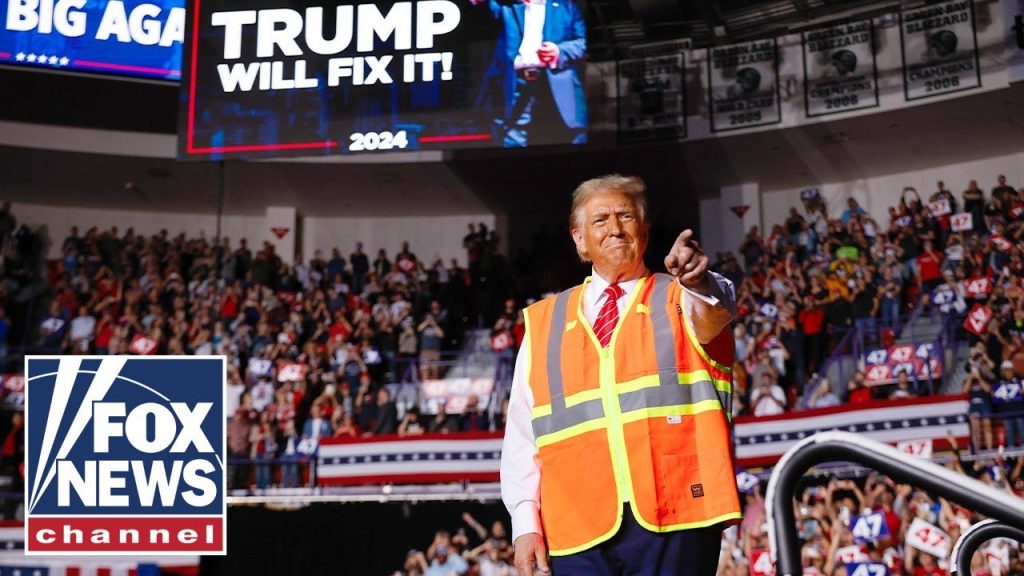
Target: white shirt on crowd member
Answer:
[[233, 397], [399, 308], [262, 395], [768, 401], [82, 327], [520, 471]]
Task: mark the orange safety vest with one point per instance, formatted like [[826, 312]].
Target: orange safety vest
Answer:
[[643, 421]]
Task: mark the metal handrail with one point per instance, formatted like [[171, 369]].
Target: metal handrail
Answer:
[[831, 446], [973, 538]]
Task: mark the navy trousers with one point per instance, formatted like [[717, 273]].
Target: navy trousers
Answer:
[[636, 551]]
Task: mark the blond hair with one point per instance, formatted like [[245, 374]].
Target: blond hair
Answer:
[[632, 186]]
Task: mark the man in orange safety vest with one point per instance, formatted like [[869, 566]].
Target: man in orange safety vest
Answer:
[[617, 456]]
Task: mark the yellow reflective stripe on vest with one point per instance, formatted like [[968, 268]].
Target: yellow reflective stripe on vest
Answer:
[[575, 430], [670, 392], [638, 394], [671, 395], [567, 417], [683, 378], [684, 393], [664, 342], [700, 347], [560, 416], [666, 411], [556, 387]]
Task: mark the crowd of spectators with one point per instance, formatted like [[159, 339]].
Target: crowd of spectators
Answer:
[[867, 518], [473, 552], [311, 346], [812, 279], [343, 326], [844, 520], [21, 281]]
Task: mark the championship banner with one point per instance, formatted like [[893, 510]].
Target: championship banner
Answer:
[[423, 459], [314, 78], [1013, 17], [743, 86], [651, 99], [940, 49], [840, 73], [761, 441]]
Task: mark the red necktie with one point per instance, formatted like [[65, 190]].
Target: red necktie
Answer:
[[609, 315]]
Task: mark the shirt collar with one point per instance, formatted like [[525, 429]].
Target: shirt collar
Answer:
[[598, 285]]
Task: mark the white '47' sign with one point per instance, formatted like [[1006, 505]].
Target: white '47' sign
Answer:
[[929, 538]]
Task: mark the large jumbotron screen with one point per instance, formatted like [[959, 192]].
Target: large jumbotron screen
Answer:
[[308, 77]]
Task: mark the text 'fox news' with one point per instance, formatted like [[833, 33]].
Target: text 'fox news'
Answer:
[[125, 455]]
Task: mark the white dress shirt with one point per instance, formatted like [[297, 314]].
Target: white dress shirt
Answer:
[[533, 35], [707, 312]]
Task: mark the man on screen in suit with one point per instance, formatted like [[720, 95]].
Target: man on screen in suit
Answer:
[[539, 59]]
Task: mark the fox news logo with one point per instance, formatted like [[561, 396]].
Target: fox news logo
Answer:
[[124, 455]]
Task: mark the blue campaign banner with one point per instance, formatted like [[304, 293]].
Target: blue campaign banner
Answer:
[[1008, 391], [869, 528], [135, 38], [867, 569]]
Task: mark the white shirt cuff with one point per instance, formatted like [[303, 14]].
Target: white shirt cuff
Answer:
[[527, 61], [525, 519], [711, 289], [716, 291], [711, 308]]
